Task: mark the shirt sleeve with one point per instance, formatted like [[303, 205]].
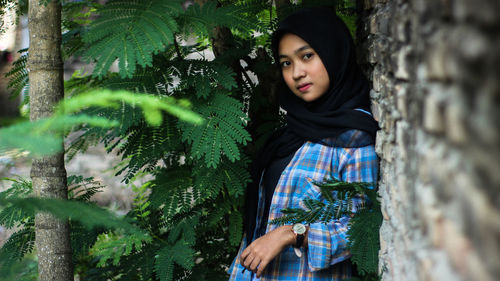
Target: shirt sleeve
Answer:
[[235, 271], [327, 243]]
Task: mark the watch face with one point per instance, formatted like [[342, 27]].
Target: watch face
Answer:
[[299, 228]]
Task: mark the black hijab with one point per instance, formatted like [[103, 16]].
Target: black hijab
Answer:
[[333, 113]]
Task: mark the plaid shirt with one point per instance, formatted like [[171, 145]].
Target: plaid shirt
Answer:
[[323, 257]]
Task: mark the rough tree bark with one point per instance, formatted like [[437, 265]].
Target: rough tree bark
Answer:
[[48, 173]]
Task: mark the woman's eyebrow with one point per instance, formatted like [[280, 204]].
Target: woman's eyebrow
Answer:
[[305, 47]]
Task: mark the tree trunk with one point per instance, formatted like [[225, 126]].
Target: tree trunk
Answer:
[[48, 173]]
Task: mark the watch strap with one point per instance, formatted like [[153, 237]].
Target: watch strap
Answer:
[[299, 240]]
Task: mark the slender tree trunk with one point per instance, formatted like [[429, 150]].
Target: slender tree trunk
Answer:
[[48, 173]]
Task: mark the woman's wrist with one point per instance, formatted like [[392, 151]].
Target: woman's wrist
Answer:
[[288, 235]]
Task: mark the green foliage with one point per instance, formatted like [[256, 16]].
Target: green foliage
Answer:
[[241, 16], [82, 189], [111, 246], [186, 220], [223, 131], [364, 224], [88, 215], [18, 75], [171, 191], [180, 242], [24, 270], [145, 146], [232, 176], [337, 203], [235, 229], [364, 240], [17, 246], [151, 106], [10, 216], [43, 136], [18, 211], [207, 76], [141, 202], [130, 31]]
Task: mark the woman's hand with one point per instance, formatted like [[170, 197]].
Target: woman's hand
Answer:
[[263, 250]]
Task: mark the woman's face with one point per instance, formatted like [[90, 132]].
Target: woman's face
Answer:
[[302, 68]]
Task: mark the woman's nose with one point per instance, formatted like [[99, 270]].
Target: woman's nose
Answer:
[[298, 71]]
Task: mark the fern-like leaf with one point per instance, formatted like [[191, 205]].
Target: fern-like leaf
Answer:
[[184, 254], [145, 146], [18, 245], [18, 75], [235, 228], [82, 189], [41, 136], [131, 31], [164, 264], [222, 132], [205, 76], [82, 239], [111, 246], [232, 176], [364, 241], [172, 191], [11, 216], [181, 240], [87, 214], [201, 19]]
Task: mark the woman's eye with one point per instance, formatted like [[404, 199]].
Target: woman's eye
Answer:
[[308, 56], [284, 63]]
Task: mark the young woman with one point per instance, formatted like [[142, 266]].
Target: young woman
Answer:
[[330, 132]]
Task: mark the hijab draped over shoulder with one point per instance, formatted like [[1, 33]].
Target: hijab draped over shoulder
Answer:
[[336, 111]]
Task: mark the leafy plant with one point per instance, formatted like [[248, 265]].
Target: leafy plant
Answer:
[[87, 220], [171, 112], [18, 75], [39, 136], [352, 199]]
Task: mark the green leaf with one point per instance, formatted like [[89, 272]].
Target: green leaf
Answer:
[[43, 136], [10, 216], [234, 177], [18, 75], [171, 191], [235, 228], [111, 246], [18, 245], [87, 214], [82, 189], [164, 264], [243, 17], [364, 241], [151, 106], [206, 76], [222, 132], [130, 31]]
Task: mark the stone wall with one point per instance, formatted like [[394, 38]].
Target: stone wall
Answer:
[[435, 68]]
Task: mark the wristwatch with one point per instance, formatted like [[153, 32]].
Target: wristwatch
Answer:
[[299, 230]]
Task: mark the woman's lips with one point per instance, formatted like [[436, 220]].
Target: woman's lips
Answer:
[[305, 87]]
